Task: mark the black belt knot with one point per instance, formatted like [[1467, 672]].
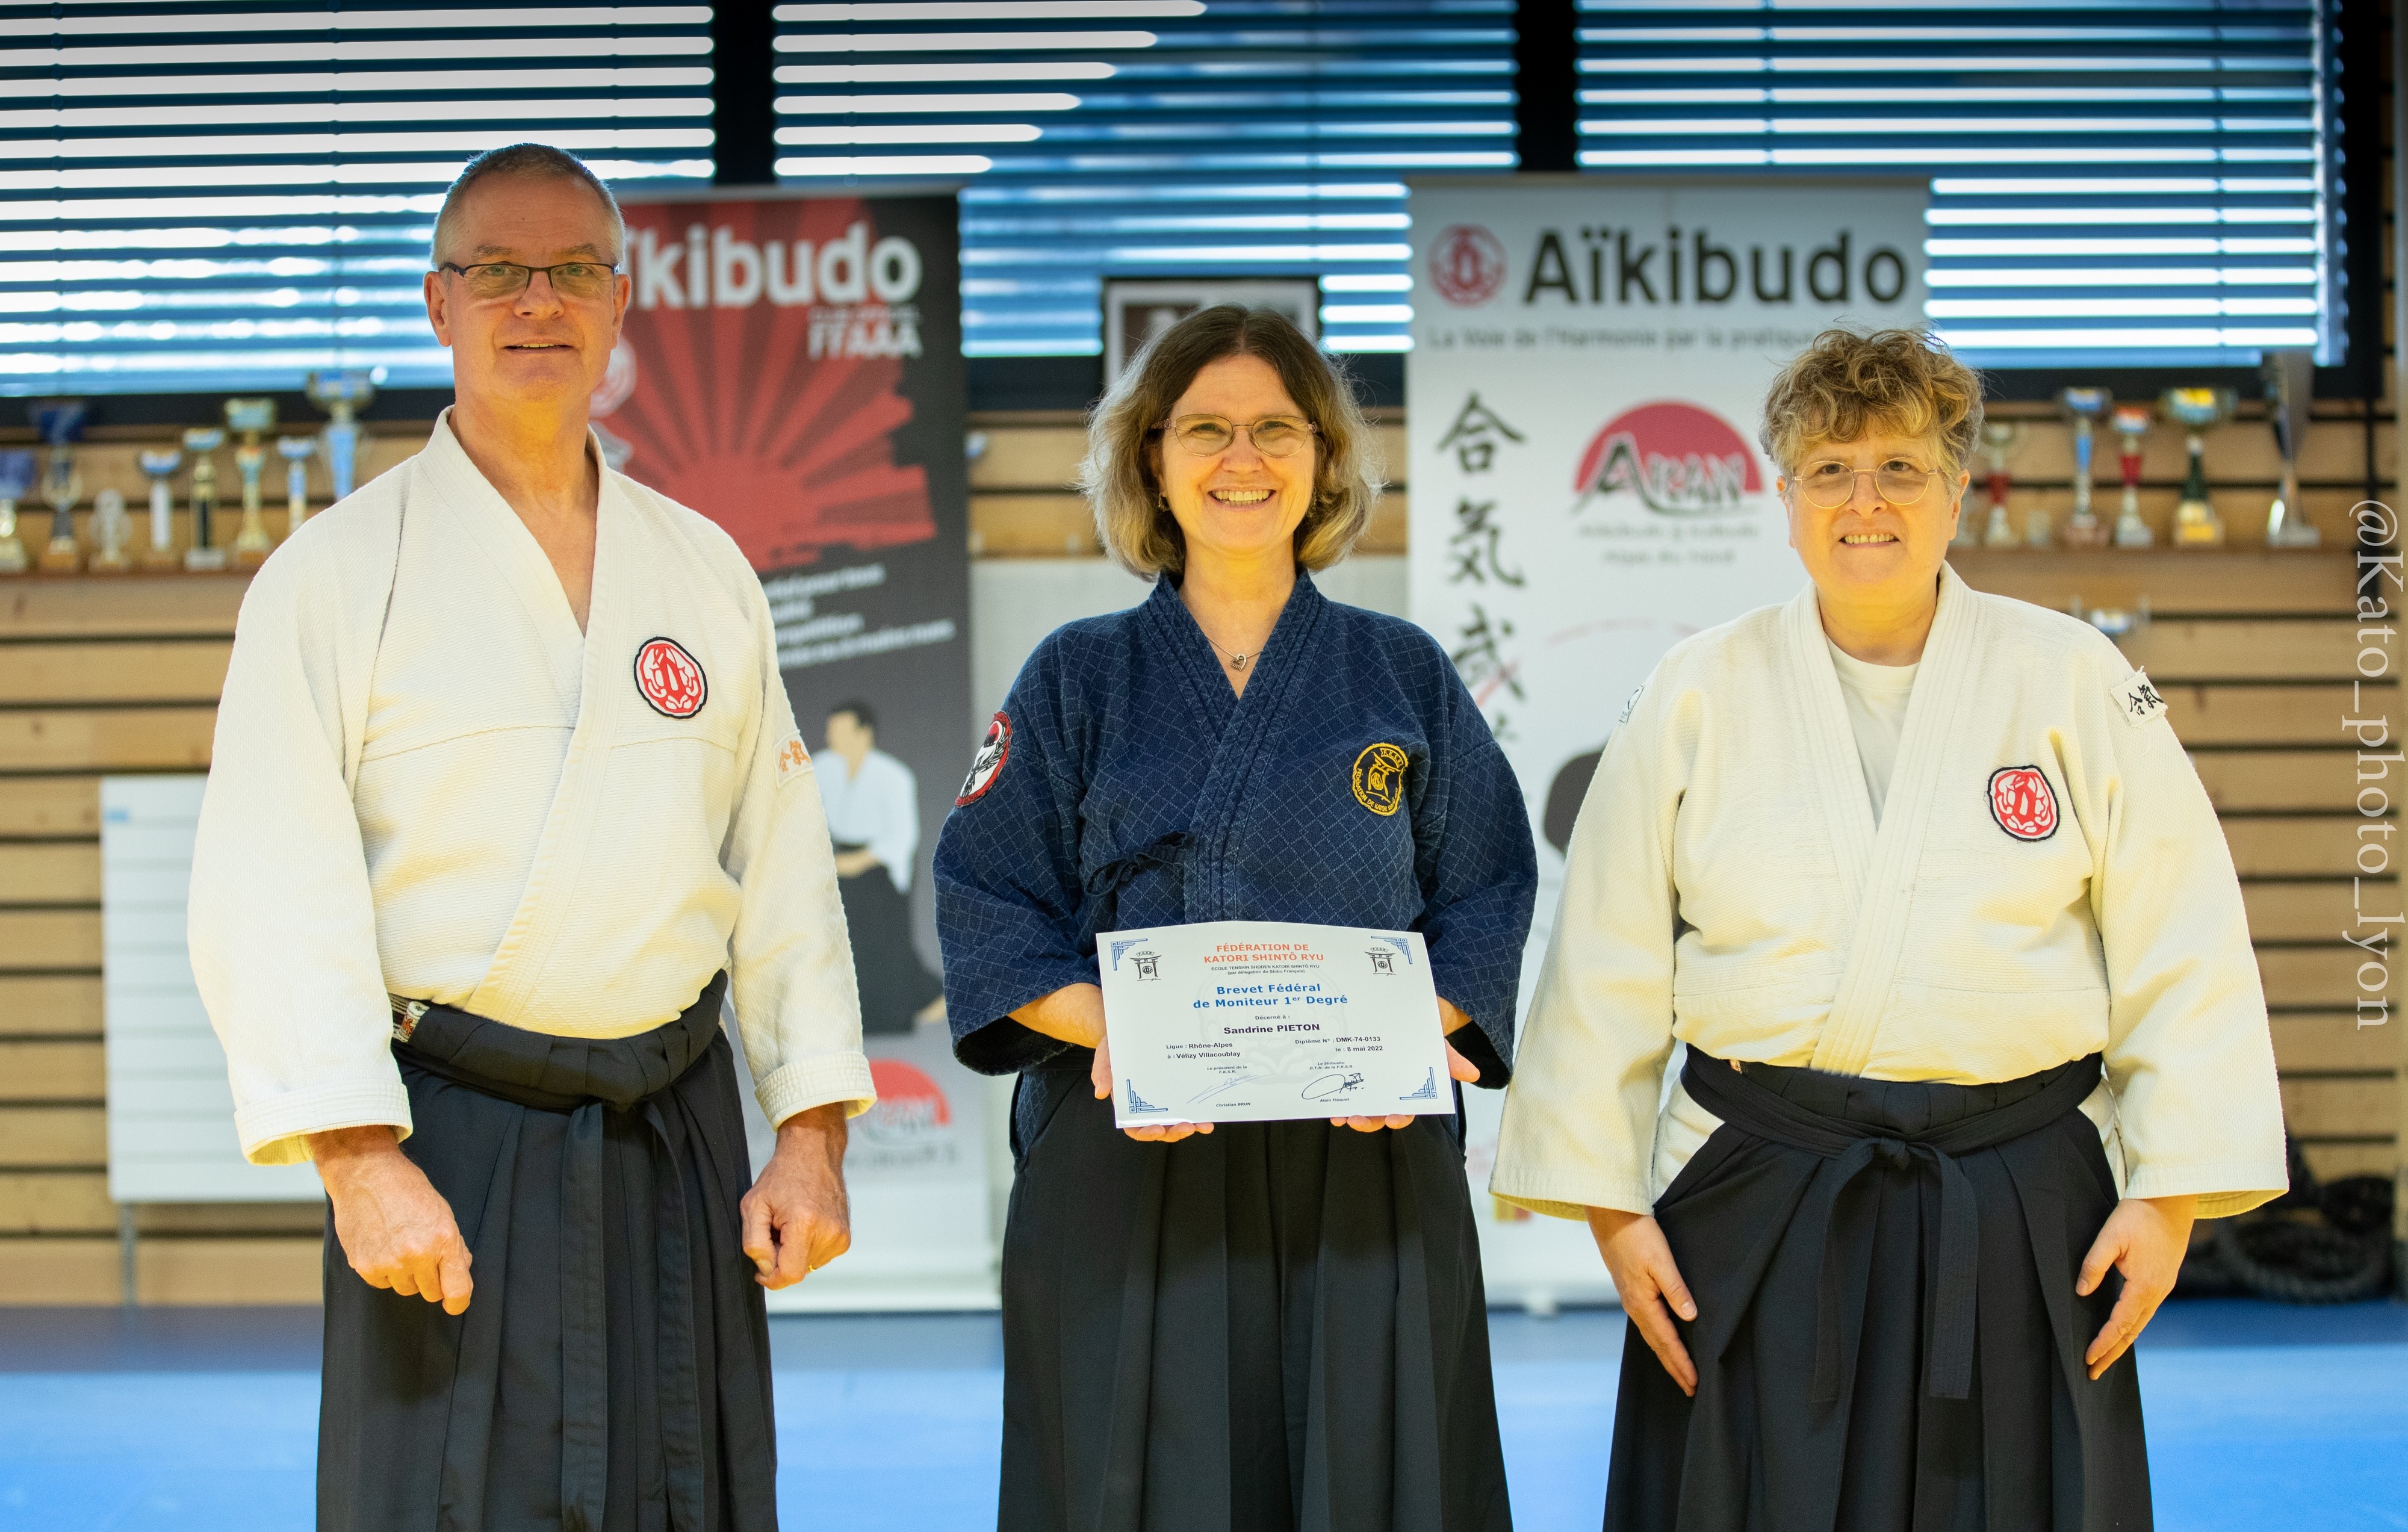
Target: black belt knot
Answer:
[[1755, 1107]]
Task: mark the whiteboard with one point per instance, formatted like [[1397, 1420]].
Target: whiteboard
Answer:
[[171, 1134]]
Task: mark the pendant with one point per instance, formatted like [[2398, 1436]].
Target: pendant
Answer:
[[1238, 662]]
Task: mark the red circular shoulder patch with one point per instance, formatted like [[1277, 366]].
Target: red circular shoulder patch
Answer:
[[671, 679], [995, 749], [2022, 802]]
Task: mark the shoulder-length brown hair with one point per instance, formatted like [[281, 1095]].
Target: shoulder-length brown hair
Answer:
[[1118, 476]]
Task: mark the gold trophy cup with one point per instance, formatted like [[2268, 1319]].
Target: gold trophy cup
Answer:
[[250, 418], [109, 530], [16, 479], [204, 556], [2197, 411], [60, 425], [2290, 379]]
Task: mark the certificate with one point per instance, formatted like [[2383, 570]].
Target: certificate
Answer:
[[1262, 1020]]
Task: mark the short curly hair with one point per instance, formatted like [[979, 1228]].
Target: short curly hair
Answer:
[[1134, 524], [1847, 385]]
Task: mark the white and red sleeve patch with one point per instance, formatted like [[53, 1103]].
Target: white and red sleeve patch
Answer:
[[793, 759], [993, 752]]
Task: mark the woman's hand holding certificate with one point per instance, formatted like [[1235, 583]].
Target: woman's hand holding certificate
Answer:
[[1245, 1020]]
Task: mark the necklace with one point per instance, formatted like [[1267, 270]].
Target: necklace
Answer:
[[1236, 661]]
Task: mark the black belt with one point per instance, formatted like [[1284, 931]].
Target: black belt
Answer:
[[2034, 1102], [434, 1037]]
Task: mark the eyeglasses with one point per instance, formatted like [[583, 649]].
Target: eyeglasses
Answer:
[[1209, 435], [1827, 486], [585, 279]]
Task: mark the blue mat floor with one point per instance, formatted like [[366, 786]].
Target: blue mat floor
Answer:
[[205, 1421]]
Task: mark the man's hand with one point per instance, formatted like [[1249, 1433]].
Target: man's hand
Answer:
[[795, 1217], [2144, 1239], [1101, 1077], [395, 1227], [853, 863], [1640, 1261]]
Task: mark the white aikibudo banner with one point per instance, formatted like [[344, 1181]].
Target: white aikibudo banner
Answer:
[[1589, 360]]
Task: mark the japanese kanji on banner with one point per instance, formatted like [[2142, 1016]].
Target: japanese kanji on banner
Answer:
[[1589, 360]]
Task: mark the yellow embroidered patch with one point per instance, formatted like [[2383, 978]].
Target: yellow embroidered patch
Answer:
[[1378, 778]]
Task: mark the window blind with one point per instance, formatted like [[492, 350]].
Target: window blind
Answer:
[[206, 196], [1153, 138], [2144, 184]]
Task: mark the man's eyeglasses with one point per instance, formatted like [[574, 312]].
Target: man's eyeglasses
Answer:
[[1827, 486], [585, 279], [1209, 435]]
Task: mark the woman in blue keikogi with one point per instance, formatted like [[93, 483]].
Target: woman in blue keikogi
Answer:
[[1273, 1325]]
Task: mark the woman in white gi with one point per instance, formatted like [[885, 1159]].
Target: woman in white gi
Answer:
[[1924, 882]]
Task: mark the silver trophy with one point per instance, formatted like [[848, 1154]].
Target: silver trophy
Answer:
[[2131, 423], [2197, 411], [251, 418], [341, 395], [296, 452], [204, 556], [109, 531], [2290, 379], [16, 479], [2086, 408], [61, 426], [159, 464], [1999, 439]]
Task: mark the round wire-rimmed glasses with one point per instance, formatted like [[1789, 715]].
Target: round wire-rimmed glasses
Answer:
[[1209, 435], [1827, 486]]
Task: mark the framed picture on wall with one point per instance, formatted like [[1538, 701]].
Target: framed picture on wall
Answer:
[[1137, 310]]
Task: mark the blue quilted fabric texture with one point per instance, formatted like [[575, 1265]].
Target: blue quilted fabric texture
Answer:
[[1139, 791]]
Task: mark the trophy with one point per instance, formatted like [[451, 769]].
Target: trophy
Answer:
[[341, 394], [2291, 376], [251, 417], [15, 478], [204, 555], [2131, 423], [1999, 439], [60, 424], [296, 452], [159, 467], [110, 529], [2084, 407], [2198, 411]]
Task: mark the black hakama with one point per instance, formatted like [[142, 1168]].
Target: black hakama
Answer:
[[1276, 1326], [611, 1373], [895, 985], [1888, 1336]]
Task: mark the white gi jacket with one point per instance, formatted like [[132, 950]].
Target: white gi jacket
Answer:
[[2047, 880], [427, 782]]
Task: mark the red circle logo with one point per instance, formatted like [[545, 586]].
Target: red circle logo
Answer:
[[2021, 802], [1467, 265], [670, 679]]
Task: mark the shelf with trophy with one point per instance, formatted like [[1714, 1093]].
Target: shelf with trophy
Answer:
[[2217, 504], [178, 476]]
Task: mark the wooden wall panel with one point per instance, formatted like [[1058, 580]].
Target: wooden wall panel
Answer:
[[56, 1202], [2178, 584], [105, 739], [2328, 1042], [60, 1270], [134, 607], [155, 670], [47, 1069], [49, 1004], [2266, 781], [53, 1136], [49, 939], [2293, 846], [49, 806], [49, 872], [229, 1270]]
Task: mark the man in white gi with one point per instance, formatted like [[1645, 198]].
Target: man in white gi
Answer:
[[873, 812], [507, 798]]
